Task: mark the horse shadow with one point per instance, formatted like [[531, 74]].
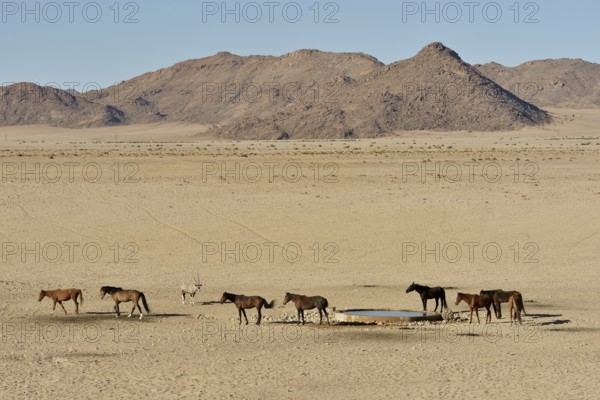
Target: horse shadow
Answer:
[[210, 303], [544, 315], [153, 314], [169, 315], [299, 324], [557, 322]]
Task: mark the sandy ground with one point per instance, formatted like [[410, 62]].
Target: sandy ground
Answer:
[[354, 221]]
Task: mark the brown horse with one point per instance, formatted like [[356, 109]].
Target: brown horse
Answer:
[[123, 296], [501, 296], [60, 295], [514, 304], [475, 302], [308, 303], [245, 302]]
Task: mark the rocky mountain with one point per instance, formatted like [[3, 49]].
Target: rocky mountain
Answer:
[[30, 104], [304, 94], [565, 83], [435, 90]]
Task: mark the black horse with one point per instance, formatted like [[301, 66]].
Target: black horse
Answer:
[[427, 292]]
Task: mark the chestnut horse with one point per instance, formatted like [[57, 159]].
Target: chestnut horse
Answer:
[[60, 295], [515, 303], [123, 296], [475, 302], [245, 302], [308, 303]]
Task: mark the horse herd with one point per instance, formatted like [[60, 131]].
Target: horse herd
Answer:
[[485, 299], [242, 302]]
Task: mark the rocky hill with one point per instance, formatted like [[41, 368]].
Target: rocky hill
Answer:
[[304, 94], [30, 104], [566, 83]]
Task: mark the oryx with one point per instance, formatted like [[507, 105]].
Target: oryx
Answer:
[[191, 289]]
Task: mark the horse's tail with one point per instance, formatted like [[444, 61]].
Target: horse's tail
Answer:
[[144, 302], [444, 304], [521, 305], [80, 297], [322, 302], [269, 305]]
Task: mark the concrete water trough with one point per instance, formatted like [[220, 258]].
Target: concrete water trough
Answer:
[[383, 315]]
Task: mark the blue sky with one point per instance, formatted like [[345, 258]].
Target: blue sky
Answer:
[[91, 42]]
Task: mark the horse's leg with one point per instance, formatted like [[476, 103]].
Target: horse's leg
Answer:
[[424, 300], [320, 316], [436, 305], [499, 304], [471, 320], [140, 310], [240, 314], [259, 308], [245, 317], [477, 313], [63, 307], [117, 309], [303, 320], [76, 305], [53, 306], [132, 308], [326, 315], [488, 315]]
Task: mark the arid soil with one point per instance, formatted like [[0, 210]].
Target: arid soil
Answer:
[[354, 221]]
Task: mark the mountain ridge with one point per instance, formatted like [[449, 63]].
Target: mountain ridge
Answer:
[[302, 94]]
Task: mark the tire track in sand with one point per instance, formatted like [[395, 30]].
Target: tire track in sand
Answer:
[[58, 225], [173, 227], [250, 229]]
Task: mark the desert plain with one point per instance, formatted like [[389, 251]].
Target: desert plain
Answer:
[[149, 206]]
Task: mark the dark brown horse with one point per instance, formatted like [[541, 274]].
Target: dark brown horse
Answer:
[[475, 302], [501, 296], [308, 303], [60, 295], [123, 296], [245, 302], [427, 292], [514, 304]]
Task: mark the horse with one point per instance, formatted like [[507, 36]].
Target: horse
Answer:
[[60, 295], [123, 296], [191, 290], [475, 302], [514, 304], [500, 296], [308, 303], [427, 292], [245, 302]]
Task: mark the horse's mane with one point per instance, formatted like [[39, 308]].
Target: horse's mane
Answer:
[[417, 286]]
